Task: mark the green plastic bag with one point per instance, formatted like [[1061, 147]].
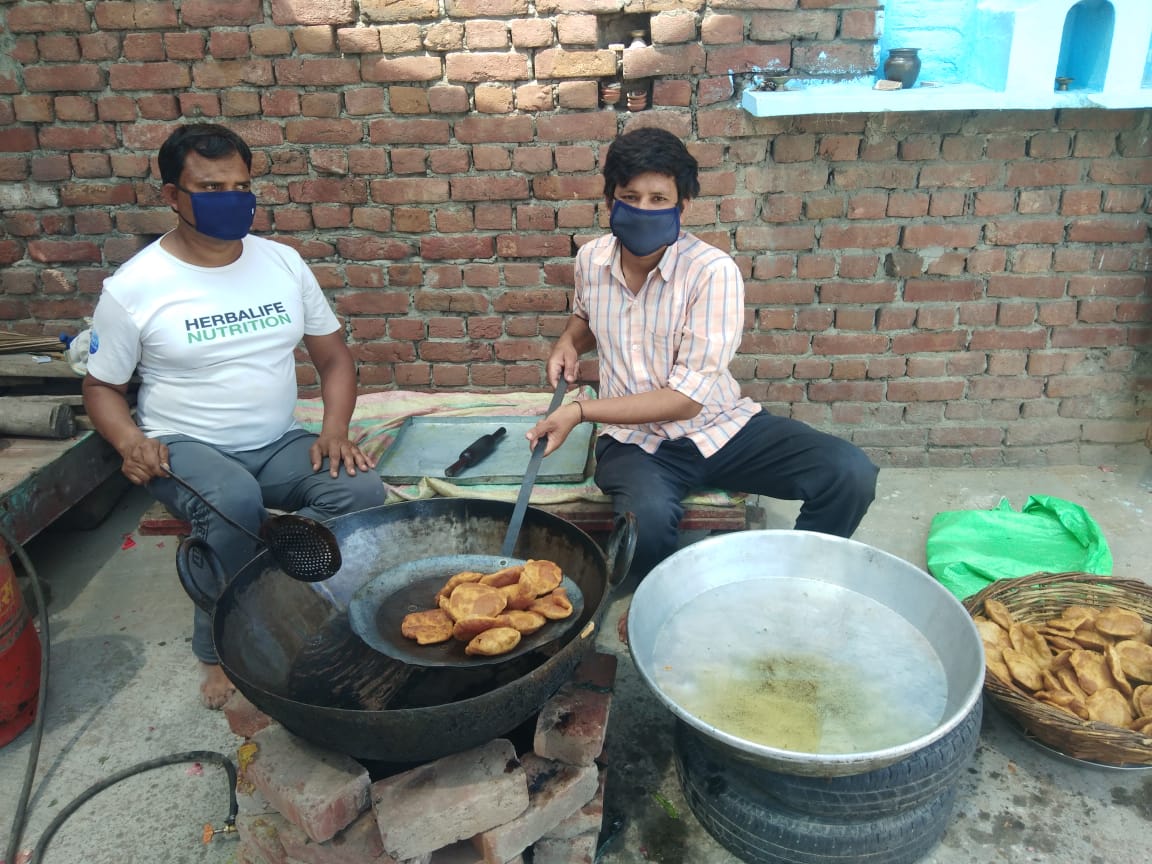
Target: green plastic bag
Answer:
[[969, 549]]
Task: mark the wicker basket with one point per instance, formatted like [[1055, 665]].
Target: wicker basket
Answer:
[[1036, 598]]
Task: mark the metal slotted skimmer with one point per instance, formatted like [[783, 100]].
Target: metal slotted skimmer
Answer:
[[303, 548]]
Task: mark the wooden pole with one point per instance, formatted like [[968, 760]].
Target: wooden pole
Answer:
[[35, 418]]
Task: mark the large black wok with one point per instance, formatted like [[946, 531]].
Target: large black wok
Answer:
[[288, 646]]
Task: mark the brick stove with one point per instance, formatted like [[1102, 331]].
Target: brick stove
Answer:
[[493, 804]]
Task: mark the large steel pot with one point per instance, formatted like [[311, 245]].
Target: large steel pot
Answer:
[[288, 647], [814, 569]]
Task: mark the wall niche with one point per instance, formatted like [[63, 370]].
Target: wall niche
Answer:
[[1025, 54]]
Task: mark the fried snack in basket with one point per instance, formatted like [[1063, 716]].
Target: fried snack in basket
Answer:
[[1135, 659], [1023, 668], [1087, 662], [1087, 637], [1109, 706], [999, 613], [1142, 700], [1092, 671], [1114, 666], [1026, 640], [992, 633], [1114, 621]]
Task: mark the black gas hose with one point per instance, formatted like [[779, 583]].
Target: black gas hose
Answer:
[[147, 765], [93, 790]]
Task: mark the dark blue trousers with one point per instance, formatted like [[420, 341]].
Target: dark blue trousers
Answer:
[[774, 456], [242, 484]]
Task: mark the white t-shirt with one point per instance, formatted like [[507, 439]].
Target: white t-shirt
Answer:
[[213, 345]]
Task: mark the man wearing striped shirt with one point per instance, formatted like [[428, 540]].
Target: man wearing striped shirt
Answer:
[[665, 312]]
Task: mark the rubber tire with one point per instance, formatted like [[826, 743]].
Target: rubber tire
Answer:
[[893, 789], [761, 834]]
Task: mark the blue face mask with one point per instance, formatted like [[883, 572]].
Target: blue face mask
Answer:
[[642, 232], [222, 215]]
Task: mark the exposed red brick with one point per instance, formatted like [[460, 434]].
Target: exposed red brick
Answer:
[[149, 76], [326, 72], [48, 18], [316, 12], [473, 68], [383, 69], [244, 718], [323, 131], [440, 247], [220, 13], [64, 77], [470, 792]]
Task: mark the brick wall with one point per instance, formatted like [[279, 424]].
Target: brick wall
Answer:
[[966, 288]]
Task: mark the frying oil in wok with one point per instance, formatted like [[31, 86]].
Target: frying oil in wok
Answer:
[[816, 670]]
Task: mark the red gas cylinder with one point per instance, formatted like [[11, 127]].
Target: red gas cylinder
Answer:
[[19, 657]]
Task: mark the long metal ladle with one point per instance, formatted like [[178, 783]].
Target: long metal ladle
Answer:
[[530, 476], [304, 549]]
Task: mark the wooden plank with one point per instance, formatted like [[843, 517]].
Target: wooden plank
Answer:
[[40, 478], [23, 366], [158, 520], [596, 517], [592, 516]]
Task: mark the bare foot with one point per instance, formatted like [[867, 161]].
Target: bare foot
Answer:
[[622, 628], [215, 688]]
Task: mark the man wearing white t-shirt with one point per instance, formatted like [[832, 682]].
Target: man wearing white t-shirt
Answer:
[[209, 317]]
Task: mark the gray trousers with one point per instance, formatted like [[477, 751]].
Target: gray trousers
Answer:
[[774, 456], [242, 485]]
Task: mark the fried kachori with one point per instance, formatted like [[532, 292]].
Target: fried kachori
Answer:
[[524, 621], [498, 640], [999, 613], [458, 579], [1092, 663], [492, 612], [1109, 706], [544, 576], [1135, 659], [473, 600], [1121, 623], [506, 576], [429, 627], [554, 606]]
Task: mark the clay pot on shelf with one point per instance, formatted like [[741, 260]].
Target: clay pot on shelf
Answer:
[[610, 93], [903, 65], [637, 100]]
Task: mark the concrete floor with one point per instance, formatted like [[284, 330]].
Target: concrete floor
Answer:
[[123, 689]]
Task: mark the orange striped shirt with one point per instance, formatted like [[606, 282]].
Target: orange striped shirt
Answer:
[[680, 331]]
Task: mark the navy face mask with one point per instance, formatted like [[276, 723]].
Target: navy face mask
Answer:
[[222, 215], [642, 232]]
